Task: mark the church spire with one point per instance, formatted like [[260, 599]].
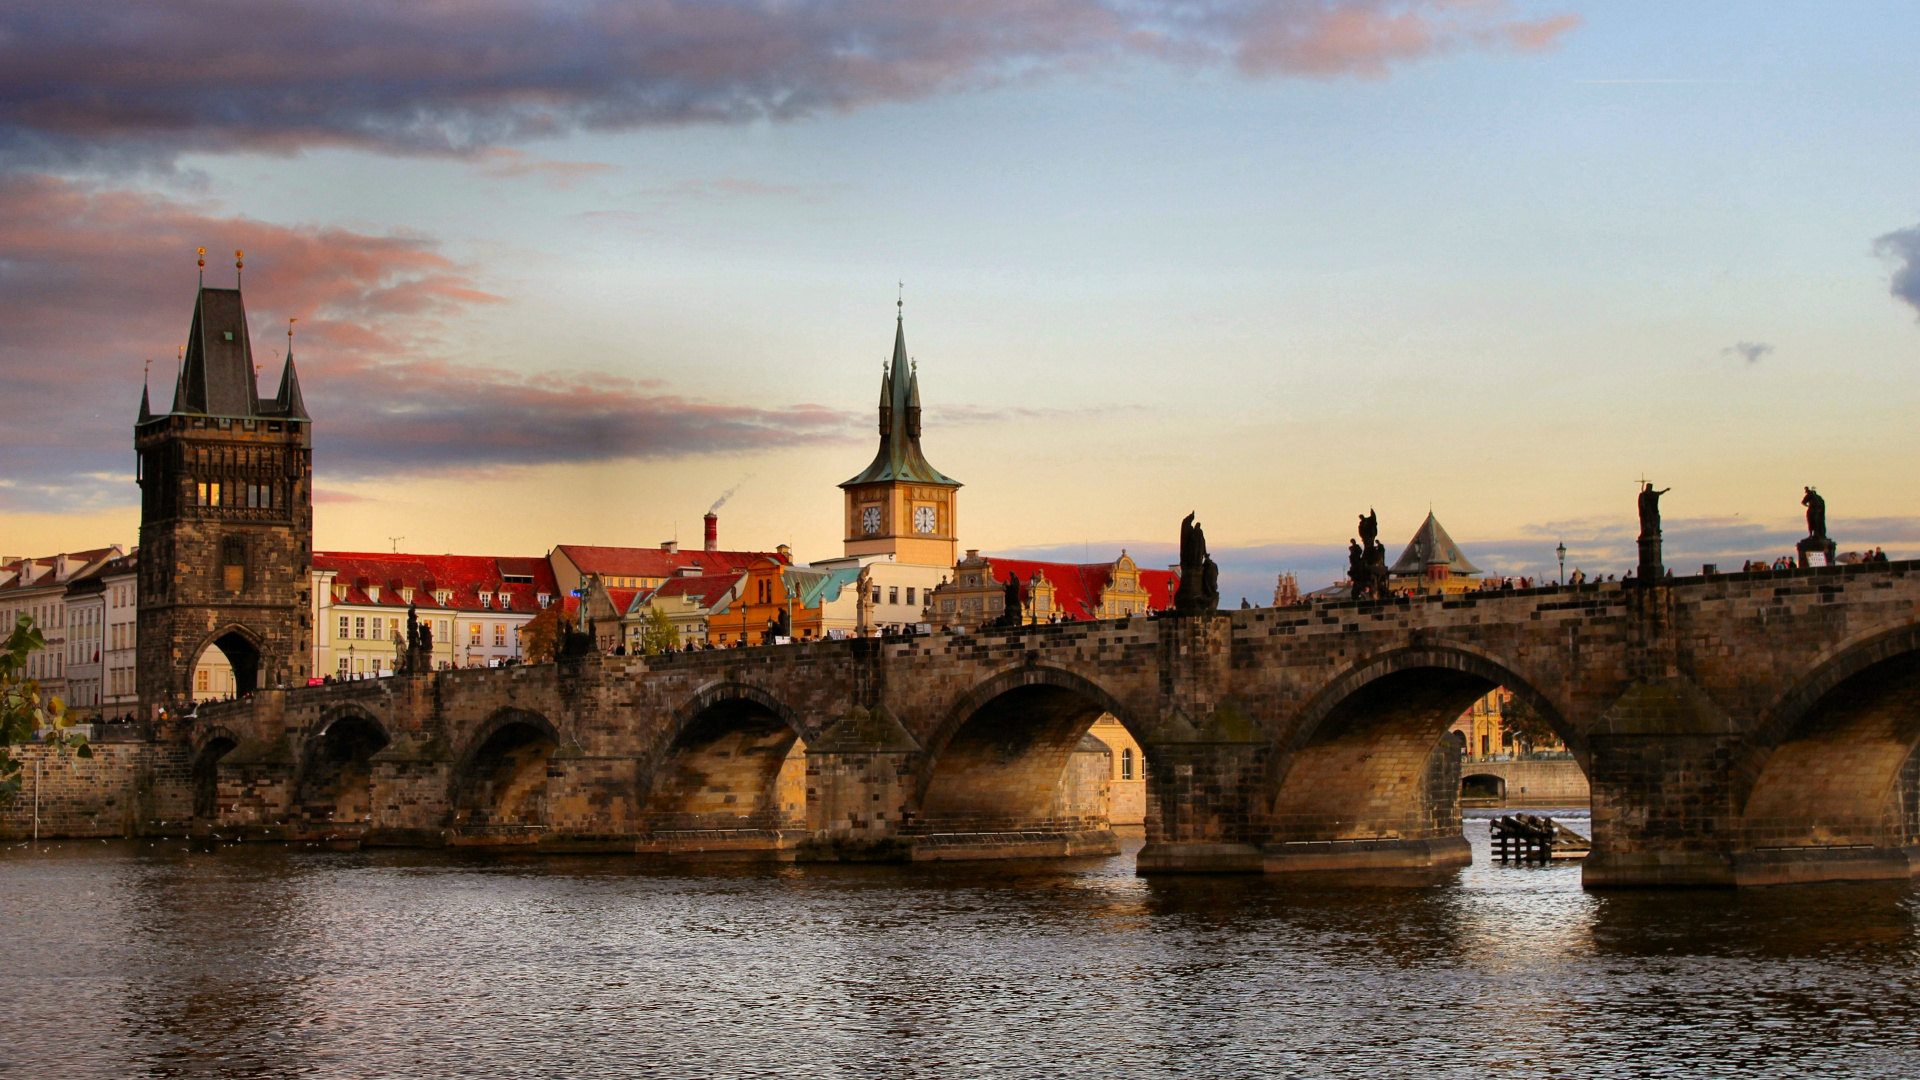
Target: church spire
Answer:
[[899, 456], [146, 410]]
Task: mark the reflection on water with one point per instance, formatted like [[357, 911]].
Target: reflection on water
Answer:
[[158, 960]]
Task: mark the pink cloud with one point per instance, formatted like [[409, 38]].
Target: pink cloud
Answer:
[[95, 284], [91, 79]]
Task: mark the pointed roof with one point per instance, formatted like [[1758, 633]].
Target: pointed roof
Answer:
[[899, 456], [216, 377], [287, 401], [1429, 546]]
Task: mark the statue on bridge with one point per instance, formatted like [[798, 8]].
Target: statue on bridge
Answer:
[[1817, 539], [1199, 591], [1367, 560], [1650, 510], [1651, 572], [418, 657], [1010, 615]]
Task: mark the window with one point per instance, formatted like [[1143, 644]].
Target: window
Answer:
[[499, 635], [909, 596], [360, 626], [876, 594], [1126, 763], [376, 629], [200, 680], [343, 665], [233, 562], [441, 632], [893, 594], [393, 630], [486, 599], [473, 633], [343, 626], [543, 598]]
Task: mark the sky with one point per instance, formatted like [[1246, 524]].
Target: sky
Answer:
[[566, 272]]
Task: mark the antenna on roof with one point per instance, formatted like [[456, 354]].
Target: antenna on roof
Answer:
[[395, 541]]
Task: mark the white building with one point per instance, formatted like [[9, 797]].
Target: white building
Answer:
[[475, 605], [38, 587]]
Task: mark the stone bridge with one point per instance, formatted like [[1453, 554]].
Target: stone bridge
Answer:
[[1736, 729]]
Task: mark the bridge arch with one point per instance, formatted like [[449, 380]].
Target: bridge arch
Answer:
[[732, 762], [1835, 761], [499, 781], [242, 648], [210, 744], [335, 782], [1005, 756], [1367, 758]]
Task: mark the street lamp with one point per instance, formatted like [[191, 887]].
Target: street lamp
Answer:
[[1562, 552]]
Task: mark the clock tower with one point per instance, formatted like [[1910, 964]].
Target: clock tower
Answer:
[[900, 505]]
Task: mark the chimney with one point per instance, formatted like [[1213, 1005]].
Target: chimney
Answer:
[[713, 531], [671, 547]]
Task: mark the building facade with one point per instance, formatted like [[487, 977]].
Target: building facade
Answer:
[[226, 517], [476, 606], [1049, 592], [38, 588], [690, 603]]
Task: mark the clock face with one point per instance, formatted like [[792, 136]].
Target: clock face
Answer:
[[870, 519], [924, 519]]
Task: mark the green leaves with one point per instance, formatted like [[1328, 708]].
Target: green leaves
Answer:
[[25, 716]]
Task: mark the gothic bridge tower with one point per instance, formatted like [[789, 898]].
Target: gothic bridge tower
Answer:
[[226, 517]]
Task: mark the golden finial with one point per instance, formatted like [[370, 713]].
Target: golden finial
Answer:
[[237, 267], [203, 266]]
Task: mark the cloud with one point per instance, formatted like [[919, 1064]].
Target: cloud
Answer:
[[1751, 351], [1904, 246], [103, 82], [94, 284]]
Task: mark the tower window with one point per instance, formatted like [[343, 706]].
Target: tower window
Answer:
[[1126, 763], [233, 563]]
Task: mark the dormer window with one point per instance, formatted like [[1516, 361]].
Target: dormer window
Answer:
[[339, 593], [442, 597], [406, 596], [373, 593], [543, 598], [486, 600], [506, 600]]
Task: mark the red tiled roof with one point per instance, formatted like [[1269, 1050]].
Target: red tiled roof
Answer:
[[654, 562], [706, 589], [78, 558], [465, 576], [1076, 587]]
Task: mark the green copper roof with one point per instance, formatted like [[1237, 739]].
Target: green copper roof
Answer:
[[899, 456]]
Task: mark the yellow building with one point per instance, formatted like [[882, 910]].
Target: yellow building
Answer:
[[1049, 592]]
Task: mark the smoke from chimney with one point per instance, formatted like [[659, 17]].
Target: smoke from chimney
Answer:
[[713, 531], [727, 494]]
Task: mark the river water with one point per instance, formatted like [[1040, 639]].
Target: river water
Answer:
[[138, 959]]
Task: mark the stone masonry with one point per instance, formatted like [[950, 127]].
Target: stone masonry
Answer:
[[1737, 728]]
